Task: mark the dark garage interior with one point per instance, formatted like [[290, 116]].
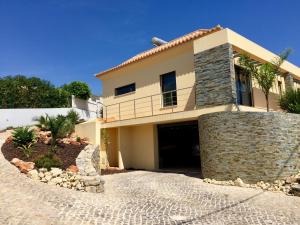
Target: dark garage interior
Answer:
[[178, 145]]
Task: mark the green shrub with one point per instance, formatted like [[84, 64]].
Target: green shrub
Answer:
[[47, 161], [23, 136], [78, 89], [290, 101], [27, 149], [78, 139], [73, 116]]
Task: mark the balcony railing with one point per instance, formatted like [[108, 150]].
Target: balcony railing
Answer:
[[167, 102]]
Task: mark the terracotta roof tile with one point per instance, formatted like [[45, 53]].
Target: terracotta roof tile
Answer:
[[183, 39]]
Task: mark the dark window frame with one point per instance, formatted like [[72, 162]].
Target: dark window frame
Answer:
[[279, 84], [169, 97], [126, 89], [239, 71]]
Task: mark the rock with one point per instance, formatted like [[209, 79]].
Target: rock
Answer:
[[239, 182], [51, 183], [44, 137], [56, 172], [48, 177], [24, 167], [100, 189], [79, 186], [57, 180], [92, 180], [9, 140], [295, 189], [74, 142], [33, 174], [43, 170], [291, 180], [91, 189], [73, 169], [48, 173], [41, 175]]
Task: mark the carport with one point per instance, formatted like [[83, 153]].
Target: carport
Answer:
[[178, 146]]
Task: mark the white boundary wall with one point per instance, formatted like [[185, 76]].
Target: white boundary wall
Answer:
[[25, 117], [89, 104]]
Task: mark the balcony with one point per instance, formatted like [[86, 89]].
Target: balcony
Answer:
[[179, 100]]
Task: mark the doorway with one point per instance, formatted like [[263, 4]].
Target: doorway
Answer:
[[178, 145]]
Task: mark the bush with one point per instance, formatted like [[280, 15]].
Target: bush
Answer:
[[31, 92], [27, 149], [78, 89], [73, 116], [23, 136], [290, 101], [47, 161]]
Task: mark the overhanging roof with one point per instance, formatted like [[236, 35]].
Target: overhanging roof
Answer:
[[178, 41]]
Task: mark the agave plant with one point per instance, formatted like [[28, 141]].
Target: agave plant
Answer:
[[23, 136]]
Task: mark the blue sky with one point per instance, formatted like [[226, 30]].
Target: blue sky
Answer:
[[66, 40]]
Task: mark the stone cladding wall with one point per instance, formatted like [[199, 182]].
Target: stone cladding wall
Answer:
[[250, 145], [215, 76]]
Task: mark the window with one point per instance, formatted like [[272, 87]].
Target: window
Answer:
[[168, 89], [125, 89], [243, 87], [280, 87]]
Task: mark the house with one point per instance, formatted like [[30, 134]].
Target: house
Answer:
[[153, 101]]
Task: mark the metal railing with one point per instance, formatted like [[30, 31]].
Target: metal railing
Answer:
[[163, 103]]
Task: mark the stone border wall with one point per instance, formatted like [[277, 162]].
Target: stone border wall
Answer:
[[250, 145], [88, 164]]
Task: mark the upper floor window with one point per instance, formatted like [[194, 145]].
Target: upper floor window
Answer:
[[243, 87], [125, 89], [168, 89]]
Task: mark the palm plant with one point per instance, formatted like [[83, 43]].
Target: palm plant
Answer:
[[59, 127], [43, 123], [265, 73]]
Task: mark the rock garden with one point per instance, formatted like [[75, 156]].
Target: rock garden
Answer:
[[52, 153], [289, 185]]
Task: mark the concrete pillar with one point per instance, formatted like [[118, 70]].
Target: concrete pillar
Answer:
[[289, 81]]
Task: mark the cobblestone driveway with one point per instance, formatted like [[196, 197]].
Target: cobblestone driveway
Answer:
[[140, 198]]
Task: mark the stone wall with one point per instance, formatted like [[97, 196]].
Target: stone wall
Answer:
[[88, 164], [250, 145], [215, 76], [96, 160]]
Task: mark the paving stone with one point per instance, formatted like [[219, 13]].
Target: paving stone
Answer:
[[139, 197]]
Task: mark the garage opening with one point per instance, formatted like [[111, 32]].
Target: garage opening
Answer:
[[179, 146]]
